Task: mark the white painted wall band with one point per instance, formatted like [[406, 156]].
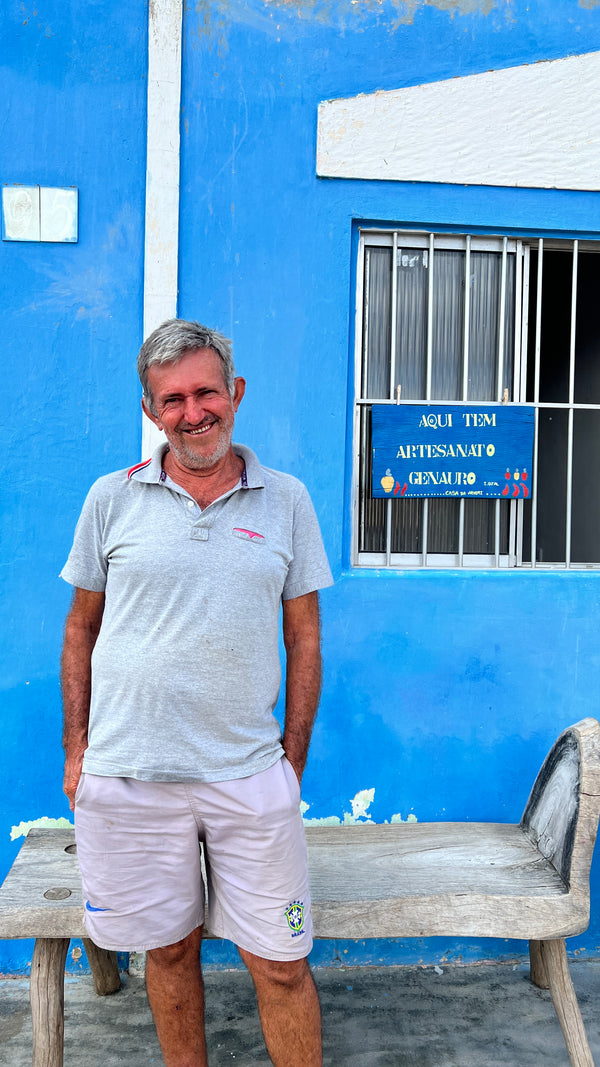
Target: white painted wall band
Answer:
[[161, 246], [536, 125]]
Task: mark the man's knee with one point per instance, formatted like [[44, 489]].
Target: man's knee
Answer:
[[176, 955], [285, 974]]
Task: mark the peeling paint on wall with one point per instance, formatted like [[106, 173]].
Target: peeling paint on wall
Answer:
[[269, 16], [360, 803], [405, 9], [453, 7], [44, 823]]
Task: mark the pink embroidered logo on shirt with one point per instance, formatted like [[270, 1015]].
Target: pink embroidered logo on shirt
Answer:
[[248, 535]]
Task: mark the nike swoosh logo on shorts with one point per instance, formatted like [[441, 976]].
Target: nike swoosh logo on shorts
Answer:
[[90, 907]]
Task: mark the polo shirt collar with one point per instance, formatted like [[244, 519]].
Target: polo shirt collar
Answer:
[[254, 473], [151, 469]]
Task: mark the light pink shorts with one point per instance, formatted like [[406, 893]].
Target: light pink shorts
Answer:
[[138, 845]]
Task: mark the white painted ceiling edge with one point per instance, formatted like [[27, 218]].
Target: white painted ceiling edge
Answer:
[[535, 126], [161, 242]]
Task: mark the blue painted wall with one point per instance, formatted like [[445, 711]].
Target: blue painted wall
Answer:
[[73, 90], [442, 691]]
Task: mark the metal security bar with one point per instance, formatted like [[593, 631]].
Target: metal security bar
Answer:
[[568, 515], [427, 307]]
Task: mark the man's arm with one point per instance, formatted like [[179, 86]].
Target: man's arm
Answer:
[[303, 675], [81, 630]]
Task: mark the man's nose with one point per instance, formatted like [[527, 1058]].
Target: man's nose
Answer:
[[194, 410]]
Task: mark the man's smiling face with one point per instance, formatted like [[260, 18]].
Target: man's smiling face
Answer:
[[194, 407]]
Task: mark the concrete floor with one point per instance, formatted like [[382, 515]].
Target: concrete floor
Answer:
[[483, 1015]]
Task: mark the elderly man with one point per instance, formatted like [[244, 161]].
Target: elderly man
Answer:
[[170, 676]]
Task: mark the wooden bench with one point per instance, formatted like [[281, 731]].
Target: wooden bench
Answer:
[[41, 898], [527, 881]]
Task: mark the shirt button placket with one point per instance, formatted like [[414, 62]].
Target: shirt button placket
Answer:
[[199, 533]]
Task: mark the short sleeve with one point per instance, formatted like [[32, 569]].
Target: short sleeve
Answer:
[[309, 569], [87, 566]]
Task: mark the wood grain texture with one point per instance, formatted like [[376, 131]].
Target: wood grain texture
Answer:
[[568, 842], [469, 879], [550, 816], [42, 864], [554, 956], [104, 968], [46, 993], [537, 969], [451, 879]]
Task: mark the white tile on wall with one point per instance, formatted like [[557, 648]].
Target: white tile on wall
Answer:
[[21, 213], [58, 214]]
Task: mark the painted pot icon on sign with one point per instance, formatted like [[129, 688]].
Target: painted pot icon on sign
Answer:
[[387, 482]]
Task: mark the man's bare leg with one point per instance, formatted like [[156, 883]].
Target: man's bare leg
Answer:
[[176, 995], [289, 1010]]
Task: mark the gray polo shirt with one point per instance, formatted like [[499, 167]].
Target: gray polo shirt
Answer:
[[186, 670]]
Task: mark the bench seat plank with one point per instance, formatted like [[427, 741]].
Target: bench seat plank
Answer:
[[400, 860], [397, 880], [428, 879], [43, 866]]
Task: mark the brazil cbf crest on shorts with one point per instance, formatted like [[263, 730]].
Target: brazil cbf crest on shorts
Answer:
[[294, 914]]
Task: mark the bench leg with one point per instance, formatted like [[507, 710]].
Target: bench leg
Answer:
[[104, 967], [537, 970], [554, 959], [47, 996]]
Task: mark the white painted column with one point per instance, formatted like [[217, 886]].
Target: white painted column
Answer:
[[161, 249]]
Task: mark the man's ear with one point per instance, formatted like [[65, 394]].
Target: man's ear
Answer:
[[153, 418], [239, 388]]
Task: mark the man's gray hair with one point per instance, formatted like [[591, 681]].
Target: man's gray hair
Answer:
[[170, 342]]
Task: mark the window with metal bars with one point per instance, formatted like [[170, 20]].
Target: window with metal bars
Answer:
[[466, 318]]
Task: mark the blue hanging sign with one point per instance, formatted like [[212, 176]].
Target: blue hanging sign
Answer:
[[426, 450]]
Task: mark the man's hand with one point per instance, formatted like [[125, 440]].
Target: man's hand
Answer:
[[81, 631], [303, 676], [72, 775]]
